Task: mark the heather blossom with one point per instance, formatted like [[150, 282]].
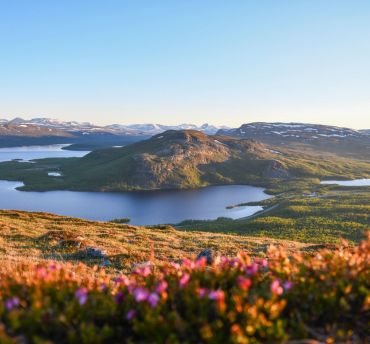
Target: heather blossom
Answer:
[[276, 288], [12, 303], [219, 297], [252, 269], [124, 280], [81, 295], [184, 280], [244, 282], [131, 314], [153, 299], [202, 292], [119, 297], [141, 294], [161, 286], [144, 271], [216, 295], [287, 285]]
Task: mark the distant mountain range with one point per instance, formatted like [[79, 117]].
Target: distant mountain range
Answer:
[[88, 136], [83, 135], [19, 125], [293, 131]]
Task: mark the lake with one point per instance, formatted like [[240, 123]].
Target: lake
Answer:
[[143, 208], [356, 182], [27, 153]]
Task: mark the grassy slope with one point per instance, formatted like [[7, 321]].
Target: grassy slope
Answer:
[[37, 236]]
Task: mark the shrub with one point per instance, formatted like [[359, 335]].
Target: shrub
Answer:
[[325, 296]]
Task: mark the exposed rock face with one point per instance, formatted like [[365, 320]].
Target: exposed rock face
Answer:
[[276, 170], [179, 156]]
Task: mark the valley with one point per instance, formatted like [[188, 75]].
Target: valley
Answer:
[[186, 159], [153, 223], [185, 172], [302, 206]]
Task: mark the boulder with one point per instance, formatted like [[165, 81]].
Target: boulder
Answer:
[[208, 254]]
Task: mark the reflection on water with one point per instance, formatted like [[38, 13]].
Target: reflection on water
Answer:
[[143, 208]]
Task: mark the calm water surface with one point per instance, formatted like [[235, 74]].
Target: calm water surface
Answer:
[[356, 182], [143, 208], [27, 153]]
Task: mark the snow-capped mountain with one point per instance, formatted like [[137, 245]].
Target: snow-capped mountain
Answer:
[[153, 128], [292, 131], [337, 140], [87, 127]]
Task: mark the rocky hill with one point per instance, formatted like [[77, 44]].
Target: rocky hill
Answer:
[[174, 159], [182, 159]]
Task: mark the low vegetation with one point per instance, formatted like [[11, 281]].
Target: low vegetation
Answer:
[[323, 297], [323, 215], [40, 236]]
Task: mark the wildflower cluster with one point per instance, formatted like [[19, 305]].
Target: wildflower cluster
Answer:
[[234, 300]]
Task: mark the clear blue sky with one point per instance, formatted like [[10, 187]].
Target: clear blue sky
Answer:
[[224, 62]]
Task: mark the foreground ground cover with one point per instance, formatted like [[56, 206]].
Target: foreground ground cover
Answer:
[[39, 236], [285, 297]]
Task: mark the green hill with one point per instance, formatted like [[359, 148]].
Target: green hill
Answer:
[[183, 159]]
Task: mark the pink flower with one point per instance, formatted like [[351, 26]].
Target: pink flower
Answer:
[[153, 299], [122, 280], [175, 265], [12, 303], [188, 263], [141, 294], [217, 295], [263, 262], [184, 280], [201, 262], [202, 292], [244, 283], [53, 266], [119, 297], [144, 271], [41, 272], [276, 288], [131, 314], [252, 269], [81, 295], [287, 285], [161, 286]]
